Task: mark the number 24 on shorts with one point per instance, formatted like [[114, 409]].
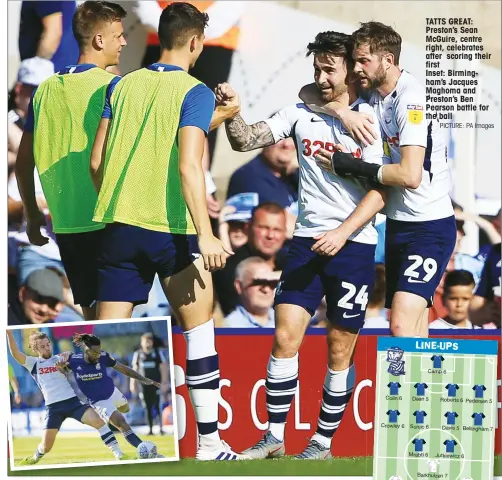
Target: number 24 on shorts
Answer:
[[429, 265], [361, 297]]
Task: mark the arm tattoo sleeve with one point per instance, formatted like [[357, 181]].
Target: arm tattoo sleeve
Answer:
[[244, 137]]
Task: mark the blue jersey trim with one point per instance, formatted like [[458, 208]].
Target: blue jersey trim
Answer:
[[107, 108], [163, 67], [78, 68]]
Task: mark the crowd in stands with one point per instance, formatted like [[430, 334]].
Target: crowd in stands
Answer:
[[256, 219]]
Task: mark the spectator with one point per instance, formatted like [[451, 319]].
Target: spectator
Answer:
[[40, 299], [273, 175], [46, 31], [267, 233], [234, 219], [255, 286], [376, 316], [458, 261], [458, 291], [485, 306]]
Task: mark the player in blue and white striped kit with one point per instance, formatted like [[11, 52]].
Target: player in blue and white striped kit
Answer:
[[61, 402]]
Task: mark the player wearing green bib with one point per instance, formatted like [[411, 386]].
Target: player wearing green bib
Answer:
[[147, 166], [63, 117]]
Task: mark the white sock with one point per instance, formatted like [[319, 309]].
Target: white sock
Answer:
[[337, 390], [202, 377], [281, 383]]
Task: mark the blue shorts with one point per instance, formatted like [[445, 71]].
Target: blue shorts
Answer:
[[131, 256], [346, 280], [57, 413], [79, 254], [417, 254]]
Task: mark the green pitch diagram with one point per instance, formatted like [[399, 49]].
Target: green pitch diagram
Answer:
[[435, 411]]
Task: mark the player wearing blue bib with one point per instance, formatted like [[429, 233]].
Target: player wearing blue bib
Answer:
[[90, 372], [61, 401]]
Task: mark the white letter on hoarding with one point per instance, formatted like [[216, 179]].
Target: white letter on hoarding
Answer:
[[181, 411], [298, 423], [357, 392], [226, 406], [254, 415]]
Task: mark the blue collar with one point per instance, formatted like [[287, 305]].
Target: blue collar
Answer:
[[78, 68], [163, 67]]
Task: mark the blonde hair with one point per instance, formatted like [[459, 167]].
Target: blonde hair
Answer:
[[34, 337]]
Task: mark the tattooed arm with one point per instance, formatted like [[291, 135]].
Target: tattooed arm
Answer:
[[244, 137]]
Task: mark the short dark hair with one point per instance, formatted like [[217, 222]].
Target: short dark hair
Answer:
[[91, 15], [178, 22], [380, 38], [378, 294], [457, 278], [270, 207], [88, 340], [336, 43]]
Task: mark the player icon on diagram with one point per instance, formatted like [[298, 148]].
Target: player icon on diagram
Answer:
[[419, 444], [479, 391], [478, 419], [450, 445], [394, 388], [437, 361], [419, 416], [433, 465], [393, 414], [450, 417], [420, 388], [452, 389], [396, 477]]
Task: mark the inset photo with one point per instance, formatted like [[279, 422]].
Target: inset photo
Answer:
[[94, 393]]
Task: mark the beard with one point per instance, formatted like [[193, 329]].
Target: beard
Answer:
[[377, 81], [333, 93]]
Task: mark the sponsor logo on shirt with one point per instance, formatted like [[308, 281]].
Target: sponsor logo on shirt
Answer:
[[89, 376], [44, 370]]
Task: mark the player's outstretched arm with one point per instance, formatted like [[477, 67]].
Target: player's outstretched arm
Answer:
[[129, 372], [358, 124], [228, 105], [19, 356], [98, 153], [25, 169]]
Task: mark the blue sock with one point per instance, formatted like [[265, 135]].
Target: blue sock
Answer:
[[132, 438]]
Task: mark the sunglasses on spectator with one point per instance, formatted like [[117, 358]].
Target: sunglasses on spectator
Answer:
[[51, 302], [261, 282]]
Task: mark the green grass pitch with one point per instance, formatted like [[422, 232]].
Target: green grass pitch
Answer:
[[81, 448]]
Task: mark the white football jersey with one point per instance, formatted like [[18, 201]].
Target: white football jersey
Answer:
[[53, 384], [433, 465], [402, 120], [325, 200]]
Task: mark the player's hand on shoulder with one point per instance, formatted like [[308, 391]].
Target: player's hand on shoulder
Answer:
[[213, 252], [360, 126], [33, 225], [329, 243]]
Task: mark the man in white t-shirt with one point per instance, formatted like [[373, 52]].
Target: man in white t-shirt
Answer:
[[458, 291], [312, 270], [420, 227], [61, 401]]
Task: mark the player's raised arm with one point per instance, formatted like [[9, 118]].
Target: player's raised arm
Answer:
[[360, 125], [227, 105], [19, 356], [129, 372], [244, 137]]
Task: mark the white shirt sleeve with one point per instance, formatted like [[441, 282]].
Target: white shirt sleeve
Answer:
[[30, 362], [148, 13], [373, 153], [281, 124], [410, 118]]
